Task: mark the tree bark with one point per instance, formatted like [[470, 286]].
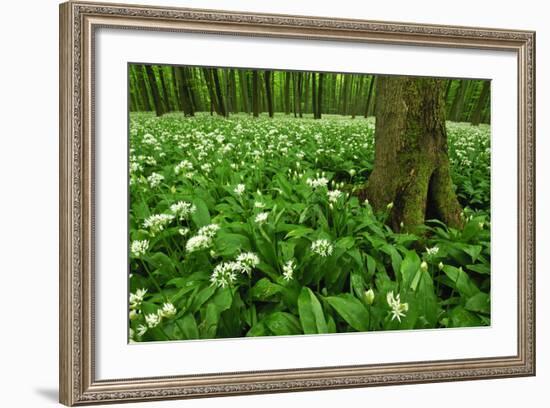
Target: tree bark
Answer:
[[268, 93], [157, 101], [458, 102], [369, 96], [244, 90], [143, 88], [411, 165], [481, 102], [219, 93], [255, 94], [319, 104]]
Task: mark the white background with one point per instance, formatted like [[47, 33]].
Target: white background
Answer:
[[28, 185], [115, 359]]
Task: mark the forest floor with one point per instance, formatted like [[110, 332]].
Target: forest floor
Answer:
[[250, 226]]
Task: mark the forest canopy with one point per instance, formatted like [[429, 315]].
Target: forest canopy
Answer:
[[226, 91]]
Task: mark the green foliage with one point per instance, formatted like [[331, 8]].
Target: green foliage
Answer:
[[249, 227]]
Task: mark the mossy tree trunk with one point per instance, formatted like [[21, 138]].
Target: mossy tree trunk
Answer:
[[411, 166]]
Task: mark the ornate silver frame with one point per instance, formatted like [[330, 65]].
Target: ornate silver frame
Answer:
[[78, 20]]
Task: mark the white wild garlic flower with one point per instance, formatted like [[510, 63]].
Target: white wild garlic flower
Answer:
[[156, 222], [239, 190], [152, 320], [139, 248], [155, 179], [248, 261], [261, 217], [168, 310], [183, 209], [334, 195], [398, 309], [322, 247], [288, 270]]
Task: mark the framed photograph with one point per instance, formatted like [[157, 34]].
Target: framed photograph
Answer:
[[256, 203]]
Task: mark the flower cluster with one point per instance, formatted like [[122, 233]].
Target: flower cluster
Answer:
[[225, 273], [319, 182], [398, 309], [156, 222], [183, 209], [261, 218], [247, 261], [167, 311], [322, 247], [334, 195], [288, 270], [139, 248], [155, 179], [203, 239]]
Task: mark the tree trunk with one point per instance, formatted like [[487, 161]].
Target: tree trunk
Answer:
[[143, 88], [255, 94], [481, 102], [411, 166], [244, 90], [219, 93], [287, 93], [184, 91], [319, 103], [458, 102], [167, 102], [159, 108], [207, 72], [369, 96], [268, 93]]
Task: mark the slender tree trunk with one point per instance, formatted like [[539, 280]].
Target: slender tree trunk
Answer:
[[305, 86], [447, 91], [319, 103], [219, 93], [207, 72], [287, 93], [166, 99], [481, 102], [411, 166], [233, 80], [357, 94], [157, 101], [144, 94], [268, 93], [244, 90], [184, 91], [255, 94], [314, 94], [369, 96], [458, 102]]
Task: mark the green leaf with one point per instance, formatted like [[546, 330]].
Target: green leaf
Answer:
[[409, 268], [351, 310], [209, 325], [222, 299], [311, 313], [299, 232], [201, 297], [282, 324], [162, 262], [264, 289], [480, 268], [480, 302], [395, 257], [257, 330], [230, 245], [189, 327], [460, 317], [201, 216], [460, 281]]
